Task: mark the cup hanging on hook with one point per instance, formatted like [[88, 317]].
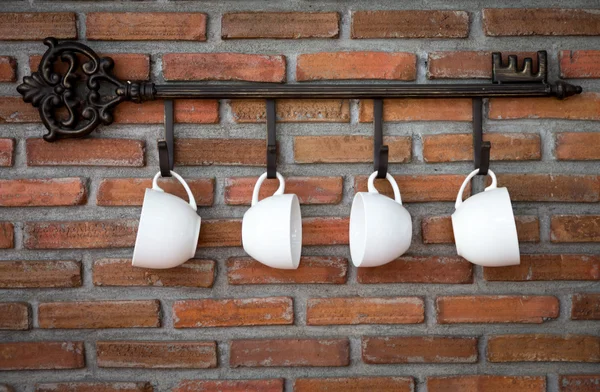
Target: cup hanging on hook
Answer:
[[166, 146], [380, 151]]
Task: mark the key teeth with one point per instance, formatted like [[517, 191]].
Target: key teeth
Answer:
[[510, 73]]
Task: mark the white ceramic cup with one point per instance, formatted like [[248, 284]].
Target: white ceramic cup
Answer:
[[380, 227], [484, 226], [168, 230], [272, 228]]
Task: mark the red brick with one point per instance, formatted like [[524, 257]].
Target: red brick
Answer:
[[438, 229], [585, 106], [37, 274], [86, 152], [35, 26], [41, 355], [410, 24], [585, 306], [45, 192], [419, 269], [459, 147], [356, 65], [146, 26], [99, 314], [156, 355], [496, 309], [491, 383], [271, 385], [220, 233], [577, 146], [14, 110], [6, 388], [579, 383], [7, 152], [312, 270], [575, 228], [120, 272], [348, 149], [325, 231], [354, 384], [80, 234], [185, 111], [310, 190], [469, 64], [370, 310], [240, 312], [95, 387], [548, 267], [419, 109], [15, 316], [228, 152], [8, 69], [7, 235], [499, 22], [289, 353], [418, 349], [224, 66], [418, 188], [551, 187], [127, 66], [292, 110], [283, 25], [543, 348], [579, 64], [130, 191]]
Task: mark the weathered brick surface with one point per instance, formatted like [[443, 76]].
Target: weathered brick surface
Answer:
[[270, 385], [468, 64], [292, 110], [42, 192], [146, 26], [205, 152], [585, 106], [579, 383], [42, 273], [289, 353], [99, 314], [7, 235], [419, 109], [579, 64], [548, 267], [354, 384], [95, 387], [8, 69], [355, 310], [348, 149], [7, 151], [575, 228], [420, 269], [551, 187], [312, 270], [356, 65], [185, 111], [418, 349], [585, 306], [15, 316], [233, 312], [14, 110], [577, 146], [156, 355], [286, 25], [41, 355], [410, 24], [35, 26], [80, 234], [224, 66], [120, 272], [543, 348], [496, 309], [477, 383], [539, 21]]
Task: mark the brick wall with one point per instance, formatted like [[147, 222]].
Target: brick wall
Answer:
[[75, 316]]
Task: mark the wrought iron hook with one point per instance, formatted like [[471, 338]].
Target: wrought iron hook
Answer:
[[380, 151], [271, 140], [166, 146], [481, 149]]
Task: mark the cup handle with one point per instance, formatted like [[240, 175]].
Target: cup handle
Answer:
[[182, 181], [459, 199], [388, 176], [279, 190]]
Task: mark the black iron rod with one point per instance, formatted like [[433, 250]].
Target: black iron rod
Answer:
[[263, 91]]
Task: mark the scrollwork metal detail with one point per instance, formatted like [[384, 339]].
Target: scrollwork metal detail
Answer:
[[50, 91]]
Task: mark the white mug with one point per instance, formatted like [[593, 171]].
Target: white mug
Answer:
[[380, 227], [168, 230], [272, 228], [484, 226]]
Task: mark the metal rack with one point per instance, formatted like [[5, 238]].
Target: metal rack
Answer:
[[50, 91]]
